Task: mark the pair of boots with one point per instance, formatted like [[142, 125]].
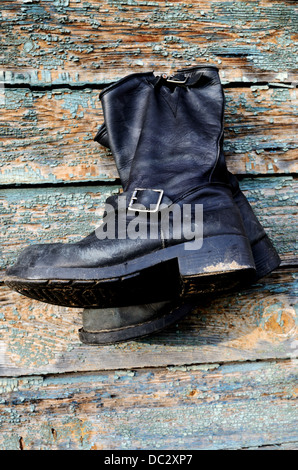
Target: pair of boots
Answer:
[[180, 228]]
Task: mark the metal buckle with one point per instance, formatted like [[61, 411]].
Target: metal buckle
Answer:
[[169, 79], [180, 82], [135, 198]]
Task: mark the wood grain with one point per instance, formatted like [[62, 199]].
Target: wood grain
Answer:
[[229, 406], [225, 377], [257, 323], [47, 136], [73, 42]]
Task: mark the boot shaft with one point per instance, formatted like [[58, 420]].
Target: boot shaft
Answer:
[[166, 130], [124, 104]]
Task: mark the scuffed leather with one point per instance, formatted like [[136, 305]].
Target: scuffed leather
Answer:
[[174, 145]]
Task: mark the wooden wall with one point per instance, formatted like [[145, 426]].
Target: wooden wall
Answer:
[[226, 376]]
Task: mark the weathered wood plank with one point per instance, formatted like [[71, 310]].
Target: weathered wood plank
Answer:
[[258, 323], [229, 406], [260, 130], [50, 214], [47, 136], [69, 41], [275, 204], [286, 446], [34, 215], [201, 399]]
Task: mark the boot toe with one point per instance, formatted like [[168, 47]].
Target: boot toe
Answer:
[[31, 257]]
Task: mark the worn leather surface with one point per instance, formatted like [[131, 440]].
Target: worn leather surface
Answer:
[[121, 132], [175, 131]]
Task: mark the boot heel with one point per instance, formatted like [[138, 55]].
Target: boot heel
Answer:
[[223, 262]]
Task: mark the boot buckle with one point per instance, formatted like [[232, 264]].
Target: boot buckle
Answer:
[[178, 82], [134, 198], [170, 78]]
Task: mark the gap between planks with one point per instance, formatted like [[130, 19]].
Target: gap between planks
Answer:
[[187, 367], [116, 181], [101, 86]]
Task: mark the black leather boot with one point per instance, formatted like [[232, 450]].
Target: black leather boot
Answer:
[[174, 164], [120, 132], [118, 324]]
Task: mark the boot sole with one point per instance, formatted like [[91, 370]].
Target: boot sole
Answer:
[[140, 330], [222, 263]]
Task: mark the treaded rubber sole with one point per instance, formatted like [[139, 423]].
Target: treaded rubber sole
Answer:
[[222, 263], [165, 317]]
